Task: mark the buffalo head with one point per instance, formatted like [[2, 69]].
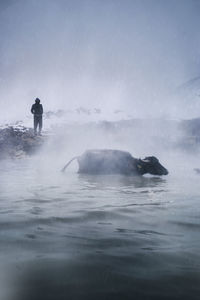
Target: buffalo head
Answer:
[[152, 166]]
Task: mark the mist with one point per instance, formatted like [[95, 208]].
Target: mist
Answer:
[[110, 74], [128, 55]]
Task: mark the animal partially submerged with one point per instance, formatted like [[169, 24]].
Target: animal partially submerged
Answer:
[[116, 162]]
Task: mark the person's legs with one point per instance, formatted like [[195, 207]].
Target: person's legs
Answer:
[[35, 125], [40, 124]]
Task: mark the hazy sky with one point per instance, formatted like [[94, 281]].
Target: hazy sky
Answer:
[[98, 53]]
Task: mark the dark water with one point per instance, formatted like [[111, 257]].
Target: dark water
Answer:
[[66, 236]]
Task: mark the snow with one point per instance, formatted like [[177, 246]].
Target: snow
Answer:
[[59, 118]]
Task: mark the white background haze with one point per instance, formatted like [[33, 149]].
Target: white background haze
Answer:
[[129, 55]]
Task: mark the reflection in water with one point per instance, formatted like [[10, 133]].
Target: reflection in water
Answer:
[[77, 236]]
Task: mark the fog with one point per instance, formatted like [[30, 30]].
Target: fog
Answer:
[[128, 55], [138, 58], [111, 74]]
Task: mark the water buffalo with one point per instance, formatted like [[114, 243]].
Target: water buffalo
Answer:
[[116, 162]]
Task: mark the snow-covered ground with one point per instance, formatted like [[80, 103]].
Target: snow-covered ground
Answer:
[[55, 119]]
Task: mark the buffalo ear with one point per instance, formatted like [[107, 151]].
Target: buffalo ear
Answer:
[[140, 165]]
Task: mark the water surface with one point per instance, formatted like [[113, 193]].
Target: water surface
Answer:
[[72, 236]]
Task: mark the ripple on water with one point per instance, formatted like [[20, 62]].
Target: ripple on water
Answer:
[[136, 234]]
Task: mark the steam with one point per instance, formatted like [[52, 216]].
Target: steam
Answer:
[[128, 55], [101, 55], [104, 55]]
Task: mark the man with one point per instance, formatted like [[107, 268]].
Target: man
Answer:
[[37, 111]]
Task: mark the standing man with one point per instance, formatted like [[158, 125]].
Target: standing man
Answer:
[[37, 111]]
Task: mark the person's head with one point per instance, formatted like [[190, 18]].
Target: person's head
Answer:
[[37, 100]]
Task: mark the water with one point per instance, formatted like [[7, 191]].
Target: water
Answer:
[[71, 236]]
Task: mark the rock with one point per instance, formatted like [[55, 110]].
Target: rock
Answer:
[[18, 142]]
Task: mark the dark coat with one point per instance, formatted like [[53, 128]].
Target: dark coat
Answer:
[[37, 109]]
